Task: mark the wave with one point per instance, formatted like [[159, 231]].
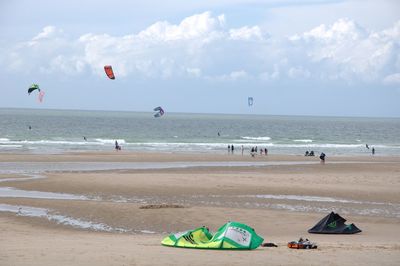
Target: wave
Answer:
[[303, 140], [110, 141], [256, 138], [18, 143]]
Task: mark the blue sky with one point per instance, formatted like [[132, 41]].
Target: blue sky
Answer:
[[337, 58]]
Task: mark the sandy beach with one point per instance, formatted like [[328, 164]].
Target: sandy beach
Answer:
[[97, 207]]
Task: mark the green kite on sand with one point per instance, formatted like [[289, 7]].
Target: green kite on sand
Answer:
[[232, 235]]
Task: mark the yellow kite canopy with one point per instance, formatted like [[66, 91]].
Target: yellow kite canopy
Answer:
[[232, 235]]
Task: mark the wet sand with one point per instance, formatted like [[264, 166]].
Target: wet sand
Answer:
[[367, 188]]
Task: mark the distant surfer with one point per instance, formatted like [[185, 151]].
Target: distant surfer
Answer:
[[84, 138], [30, 127], [366, 146], [219, 134]]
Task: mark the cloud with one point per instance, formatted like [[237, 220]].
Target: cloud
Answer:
[[246, 33], [204, 46], [298, 73], [393, 79], [349, 51], [47, 33], [199, 26]]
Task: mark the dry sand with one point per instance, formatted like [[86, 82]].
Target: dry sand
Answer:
[[206, 194]]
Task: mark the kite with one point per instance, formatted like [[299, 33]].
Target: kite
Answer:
[[159, 110], [109, 72], [40, 96], [250, 101], [232, 235], [34, 87]]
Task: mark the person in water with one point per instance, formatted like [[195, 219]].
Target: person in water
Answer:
[[30, 127], [373, 151], [366, 146], [84, 138]]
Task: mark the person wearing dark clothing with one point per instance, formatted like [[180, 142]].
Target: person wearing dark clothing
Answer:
[[232, 148], [322, 157], [306, 154], [117, 147], [373, 150]]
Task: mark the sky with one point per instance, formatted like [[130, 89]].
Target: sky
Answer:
[[315, 57]]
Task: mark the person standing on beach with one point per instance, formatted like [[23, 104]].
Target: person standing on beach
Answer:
[[322, 157], [229, 148], [232, 148], [242, 150], [373, 151]]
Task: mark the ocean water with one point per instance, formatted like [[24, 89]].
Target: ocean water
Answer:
[[57, 131]]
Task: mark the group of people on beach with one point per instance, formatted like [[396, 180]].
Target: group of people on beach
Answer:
[[253, 150], [311, 153], [321, 156]]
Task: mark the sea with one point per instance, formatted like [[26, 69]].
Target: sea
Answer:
[[59, 131]]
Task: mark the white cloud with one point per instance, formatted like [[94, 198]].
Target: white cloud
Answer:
[[350, 51], [232, 76], [47, 32], [203, 46], [298, 72], [193, 27], [246, 33], [195, 72], [393, 79]]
